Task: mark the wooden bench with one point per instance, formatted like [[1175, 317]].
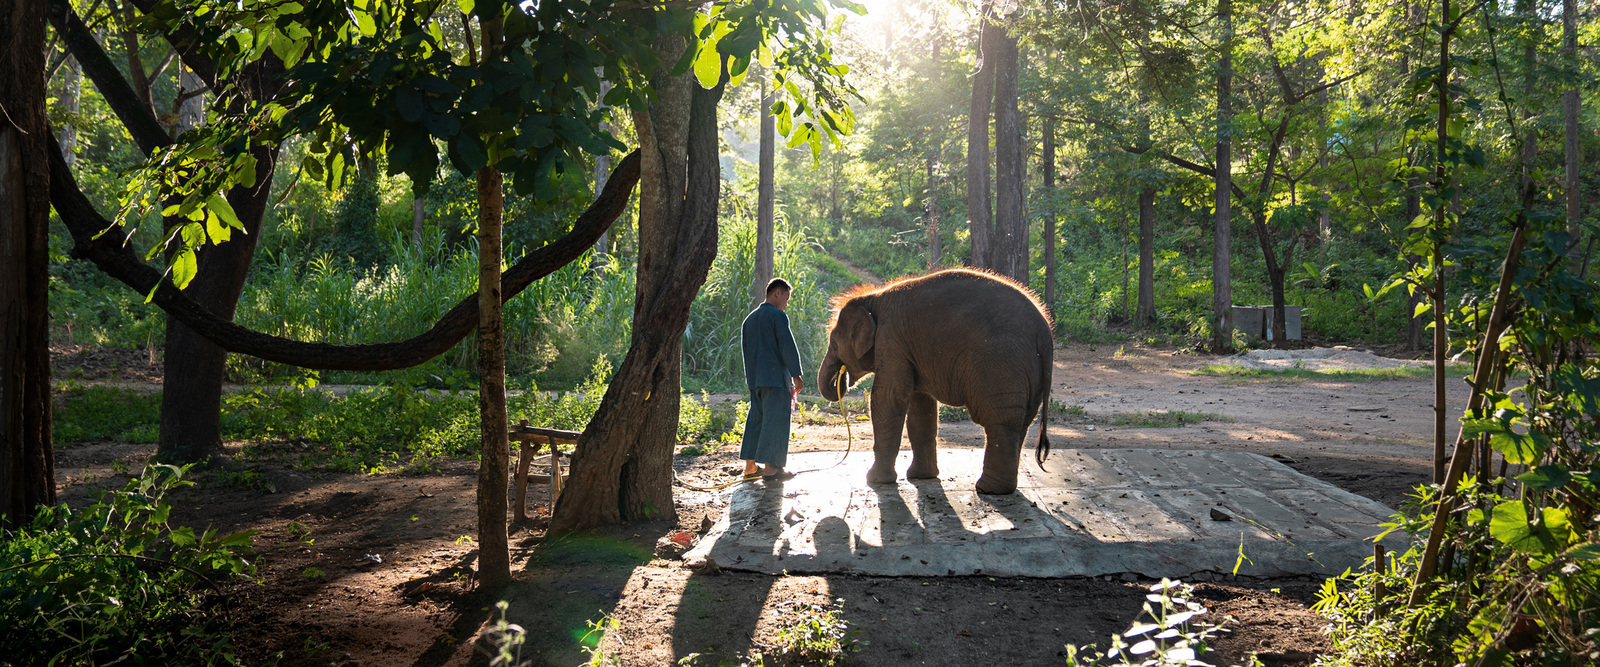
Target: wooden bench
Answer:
[[531, 438]]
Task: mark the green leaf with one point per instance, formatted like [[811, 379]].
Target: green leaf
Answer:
[[410, 103], [239, 539], [708, 65], [1590, 551], [183, 536], [219, 204], [1546, 477], [1511, 526], [1519, 447]]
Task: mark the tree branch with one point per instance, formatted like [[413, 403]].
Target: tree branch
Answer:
[[134, 114], [186, 41], [102, 242]]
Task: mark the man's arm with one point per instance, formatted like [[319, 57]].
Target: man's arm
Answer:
[[788, 351]]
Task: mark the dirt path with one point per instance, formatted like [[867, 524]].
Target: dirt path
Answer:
[[322, 601]]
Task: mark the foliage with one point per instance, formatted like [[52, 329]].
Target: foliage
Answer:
[[1170, 638], [99, 412], [116, 581], [818, 634]]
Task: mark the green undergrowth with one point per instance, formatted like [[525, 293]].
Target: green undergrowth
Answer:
[[370, 430], [1164, 418], [1353, 375], [115, 582]]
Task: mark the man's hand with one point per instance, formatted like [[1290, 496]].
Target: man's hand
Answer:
[[798, 384]]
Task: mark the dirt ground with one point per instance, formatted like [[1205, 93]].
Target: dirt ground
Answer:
[[378, 570]]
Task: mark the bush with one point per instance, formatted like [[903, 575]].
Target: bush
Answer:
[[117, 582]]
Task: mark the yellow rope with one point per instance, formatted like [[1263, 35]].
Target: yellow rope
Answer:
[[849, 443]]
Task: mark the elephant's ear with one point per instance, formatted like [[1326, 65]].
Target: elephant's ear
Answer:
[[859, 330]]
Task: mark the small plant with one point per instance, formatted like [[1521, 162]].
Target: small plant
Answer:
[[818, 634], [116, 582], [1168, 639], [596, 636], [507, 639], [313, 573], [695, 450]]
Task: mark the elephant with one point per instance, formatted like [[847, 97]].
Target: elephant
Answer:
[[961, 337]]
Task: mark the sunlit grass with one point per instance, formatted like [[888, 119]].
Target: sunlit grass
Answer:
[[1164, 418], [1346, 375]]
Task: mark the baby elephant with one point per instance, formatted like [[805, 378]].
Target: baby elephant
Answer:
[[958, 337]]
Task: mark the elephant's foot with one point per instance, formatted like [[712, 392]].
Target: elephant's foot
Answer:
[[994, 485], [880, 474], [922, 470]]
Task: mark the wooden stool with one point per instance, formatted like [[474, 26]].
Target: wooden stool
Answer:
[[531, 438]]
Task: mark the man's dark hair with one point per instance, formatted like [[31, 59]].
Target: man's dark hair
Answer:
[[779, 284]]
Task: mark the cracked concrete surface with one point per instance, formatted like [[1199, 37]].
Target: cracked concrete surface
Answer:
[[1150, 512]]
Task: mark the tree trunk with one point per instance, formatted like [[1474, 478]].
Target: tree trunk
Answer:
[[1010, 238], [192, 111], [1049, 123], [494, 464], [980, 225], [494, 468], [602, 170], [27, 458], [932, 207], [1570, 107], [191, 389], [1146, 312], [74, 96], [130, 44], [1530, 60], [764, 197], [1325, 217], [621, 470], [1221, 273]]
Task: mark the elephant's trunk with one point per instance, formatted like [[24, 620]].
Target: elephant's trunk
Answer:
[[831, 378]]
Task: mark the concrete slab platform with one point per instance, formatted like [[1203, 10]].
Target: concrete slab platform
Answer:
[[1093, 512]]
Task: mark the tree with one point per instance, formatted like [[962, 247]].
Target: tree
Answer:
[[1222, 229], [622, 468], [765, 195], [1010, 243], [27, 459], [980, 225]]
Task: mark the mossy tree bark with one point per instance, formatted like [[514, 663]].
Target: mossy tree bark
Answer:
[[622, 468], [27, 459]]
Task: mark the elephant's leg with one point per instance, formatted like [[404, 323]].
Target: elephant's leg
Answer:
[[888, 421], [1001, 448], [922, 429]]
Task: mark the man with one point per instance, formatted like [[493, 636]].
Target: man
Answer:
[[772, 372]]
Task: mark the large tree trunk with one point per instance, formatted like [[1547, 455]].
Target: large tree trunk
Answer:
[[765, 194], [980, 225], [1145, 314], [1049, 254], [622, 469], [191, 389], [1222, 235], [27, 459], [1010, 240]]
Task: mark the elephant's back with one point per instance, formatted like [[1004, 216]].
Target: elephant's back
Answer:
[[995, 308], [971, 336]]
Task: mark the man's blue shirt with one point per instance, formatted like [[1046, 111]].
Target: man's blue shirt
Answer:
[[771, 358]]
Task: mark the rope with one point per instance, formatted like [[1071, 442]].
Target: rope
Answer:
[[849, 444]]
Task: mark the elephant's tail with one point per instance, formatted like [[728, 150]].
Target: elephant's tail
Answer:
[[1041, 451]]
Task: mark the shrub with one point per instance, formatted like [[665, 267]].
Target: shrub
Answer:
[[117, 582]]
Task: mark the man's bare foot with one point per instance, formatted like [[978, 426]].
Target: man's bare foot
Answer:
[[750, 468]]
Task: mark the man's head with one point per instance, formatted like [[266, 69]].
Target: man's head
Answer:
[[778, 291]]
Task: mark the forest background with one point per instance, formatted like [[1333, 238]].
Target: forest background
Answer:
[[1321, 104]]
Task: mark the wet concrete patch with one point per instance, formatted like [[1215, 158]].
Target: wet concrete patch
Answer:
[[1154, 513]]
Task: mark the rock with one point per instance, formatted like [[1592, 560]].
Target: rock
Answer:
[[1219, 515]]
